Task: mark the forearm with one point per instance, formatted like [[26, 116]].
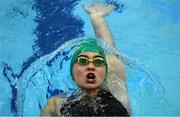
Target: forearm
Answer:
[[101, 29]]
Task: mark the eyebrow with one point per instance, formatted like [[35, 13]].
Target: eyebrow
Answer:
[[98, 56], [83, 56]]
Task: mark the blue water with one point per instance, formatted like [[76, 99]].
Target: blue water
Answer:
[[33, 61]]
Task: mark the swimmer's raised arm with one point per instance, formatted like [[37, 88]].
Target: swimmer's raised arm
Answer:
[[97, 12]]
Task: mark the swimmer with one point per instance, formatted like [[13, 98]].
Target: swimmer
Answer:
[[89, 69]]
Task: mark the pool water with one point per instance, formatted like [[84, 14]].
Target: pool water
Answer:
[[33, 49]]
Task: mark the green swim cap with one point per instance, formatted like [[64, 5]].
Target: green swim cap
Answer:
[[89, 46]]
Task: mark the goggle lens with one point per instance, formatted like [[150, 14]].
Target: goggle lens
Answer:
[[98, 61], [82, 61]]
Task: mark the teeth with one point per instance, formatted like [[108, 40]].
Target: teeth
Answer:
[[90, 76]]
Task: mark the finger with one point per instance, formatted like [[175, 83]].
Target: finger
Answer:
[[86, 8], [109, 9], [94, 3]]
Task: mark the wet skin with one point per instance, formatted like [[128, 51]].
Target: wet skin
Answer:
[[80, 73]]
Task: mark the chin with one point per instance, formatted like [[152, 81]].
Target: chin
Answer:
[[92, 88]]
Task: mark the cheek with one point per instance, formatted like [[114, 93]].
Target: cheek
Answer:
[[102, 72], [77, 71]]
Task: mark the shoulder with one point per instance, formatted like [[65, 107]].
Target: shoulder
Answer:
[[55, 100], [52, 107]]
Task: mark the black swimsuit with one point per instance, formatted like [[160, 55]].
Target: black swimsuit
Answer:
[[104, 104]]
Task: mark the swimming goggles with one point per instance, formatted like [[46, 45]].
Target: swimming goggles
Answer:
[[97, 60]]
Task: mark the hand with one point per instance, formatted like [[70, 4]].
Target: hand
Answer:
[[98, 9]]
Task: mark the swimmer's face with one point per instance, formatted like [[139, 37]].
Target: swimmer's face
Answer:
[[87, 75]]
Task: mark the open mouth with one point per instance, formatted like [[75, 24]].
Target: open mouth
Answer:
[[90, 78]]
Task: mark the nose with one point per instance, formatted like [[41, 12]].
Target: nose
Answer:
[[91, 67]]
